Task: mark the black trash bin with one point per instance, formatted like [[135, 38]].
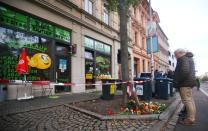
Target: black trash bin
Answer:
[[144, 87], [108, 89], [162, 88], [119, 85]]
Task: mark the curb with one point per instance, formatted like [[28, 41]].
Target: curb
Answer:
[[115, 117], [166, 115], [162, 117]]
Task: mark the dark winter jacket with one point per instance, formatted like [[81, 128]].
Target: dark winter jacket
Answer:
[[185, 71]]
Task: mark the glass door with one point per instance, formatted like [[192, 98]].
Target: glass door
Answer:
[[63, 67], [89, 69]]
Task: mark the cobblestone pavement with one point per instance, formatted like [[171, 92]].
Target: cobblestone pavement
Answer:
[[63, 118], [14, 106]]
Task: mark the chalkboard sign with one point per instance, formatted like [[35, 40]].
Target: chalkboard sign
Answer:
[[40, 27], [12, 18], [62, 34]]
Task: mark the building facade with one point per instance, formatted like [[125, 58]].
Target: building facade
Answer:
[[72, 41], [162, 63], [139, 18], [80, 37]]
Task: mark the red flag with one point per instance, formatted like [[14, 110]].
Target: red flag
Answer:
[[22, 67]]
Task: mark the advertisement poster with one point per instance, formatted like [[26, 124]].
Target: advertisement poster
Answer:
[[139, 90], [62, 65]]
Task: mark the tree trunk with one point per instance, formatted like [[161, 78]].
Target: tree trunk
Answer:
[[124, 47]]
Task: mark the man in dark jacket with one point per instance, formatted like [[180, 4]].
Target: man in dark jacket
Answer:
[[184, 80]]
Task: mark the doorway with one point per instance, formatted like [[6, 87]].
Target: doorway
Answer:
[[62, 67]]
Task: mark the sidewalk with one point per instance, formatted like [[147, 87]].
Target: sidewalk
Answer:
[[56, 114], [201, 101], [14, 106]]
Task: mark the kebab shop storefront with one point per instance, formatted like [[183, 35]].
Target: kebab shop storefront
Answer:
[[48, 48]]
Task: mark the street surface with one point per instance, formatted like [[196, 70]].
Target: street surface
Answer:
[[201, 101]]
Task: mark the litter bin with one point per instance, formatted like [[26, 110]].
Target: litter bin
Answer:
[[108, 89], [3, 93], [119, 86], [143, 88], [162, 88], [171, 87]]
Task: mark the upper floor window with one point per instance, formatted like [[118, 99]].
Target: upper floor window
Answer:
[[106, 15], [135, 38], [88, 6], [169, 62], [143, 43], [142, 18], [169, 53], [135, 11]]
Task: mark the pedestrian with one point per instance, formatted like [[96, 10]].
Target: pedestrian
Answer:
[[170, 74], [197, 83], [184, 80]]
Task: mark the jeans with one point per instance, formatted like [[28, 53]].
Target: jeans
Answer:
[[187, 99]]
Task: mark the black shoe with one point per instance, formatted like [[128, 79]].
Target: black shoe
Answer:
[[182, 115]]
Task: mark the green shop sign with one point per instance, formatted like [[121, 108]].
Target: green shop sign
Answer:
[[12, 18], [99, 46], [39, 27], [62, 34]]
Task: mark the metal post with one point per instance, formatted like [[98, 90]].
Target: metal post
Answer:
[[151, 45]]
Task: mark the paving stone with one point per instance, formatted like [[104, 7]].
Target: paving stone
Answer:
[[59, 117]]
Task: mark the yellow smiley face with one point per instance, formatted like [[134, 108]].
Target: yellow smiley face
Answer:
[[40, 61]]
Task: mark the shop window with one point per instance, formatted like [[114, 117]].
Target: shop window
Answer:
[[88, 6], [97, 60], [88, 55], [11, 43], [103, 65]]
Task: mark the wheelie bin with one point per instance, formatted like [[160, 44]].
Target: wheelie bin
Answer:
[[108, 89], [143, 88], [162, 88]]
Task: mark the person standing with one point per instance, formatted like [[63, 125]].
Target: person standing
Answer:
[[185, 80], [197, 83]]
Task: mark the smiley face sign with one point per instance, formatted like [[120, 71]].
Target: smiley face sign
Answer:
[[40, 61]]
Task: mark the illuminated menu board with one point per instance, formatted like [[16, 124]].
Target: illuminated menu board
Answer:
[[21, 21], [40, 27], [12, 18], [62, 34]]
